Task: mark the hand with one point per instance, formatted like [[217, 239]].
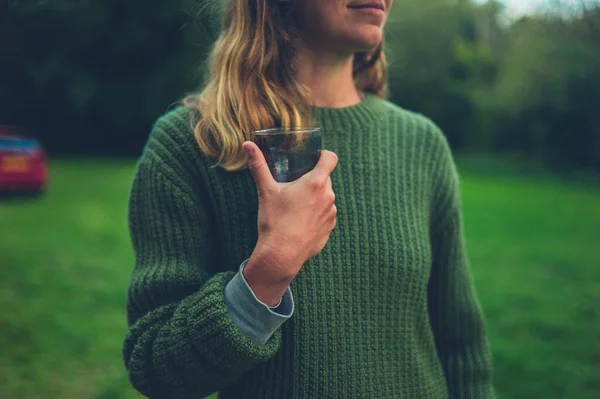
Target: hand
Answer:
[[295, 221]]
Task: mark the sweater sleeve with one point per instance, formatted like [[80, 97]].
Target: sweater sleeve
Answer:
[[455, 313], [182, 342]]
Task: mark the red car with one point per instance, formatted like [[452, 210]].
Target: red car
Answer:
[[23, 165]]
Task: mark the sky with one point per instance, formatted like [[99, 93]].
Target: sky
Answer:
[[516, 8], [520, 7]]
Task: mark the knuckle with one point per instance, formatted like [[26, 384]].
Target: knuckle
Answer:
[[264, 227], [317, 183], [256, 165], [262, 195], [331, 198]]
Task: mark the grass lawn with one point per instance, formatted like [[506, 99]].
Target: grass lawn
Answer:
[[65, 261]]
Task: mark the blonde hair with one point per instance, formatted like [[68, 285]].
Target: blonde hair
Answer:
[[251, 84]]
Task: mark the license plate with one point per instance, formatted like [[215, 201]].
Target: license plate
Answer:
[[15, 164]]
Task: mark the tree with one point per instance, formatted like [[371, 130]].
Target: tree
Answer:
[[548, 88], [441, 54], [94, 75]]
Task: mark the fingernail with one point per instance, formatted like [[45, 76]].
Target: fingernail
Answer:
[[249, 150]]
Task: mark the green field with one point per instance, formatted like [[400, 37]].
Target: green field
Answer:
[[65, 261]]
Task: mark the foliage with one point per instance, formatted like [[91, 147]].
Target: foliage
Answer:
[[531, 88], [433, 71], [545, 100], [91, 77]]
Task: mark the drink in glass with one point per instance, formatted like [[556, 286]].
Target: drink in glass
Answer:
[[290, 153]]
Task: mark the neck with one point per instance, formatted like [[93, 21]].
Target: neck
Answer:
[[329, 78]]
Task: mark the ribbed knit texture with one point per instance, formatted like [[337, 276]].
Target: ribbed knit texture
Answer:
[[386, 310]]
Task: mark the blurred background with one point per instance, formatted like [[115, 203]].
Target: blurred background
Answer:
[[514, 84]]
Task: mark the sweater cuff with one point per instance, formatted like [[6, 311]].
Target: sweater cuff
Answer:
[[255, 319]]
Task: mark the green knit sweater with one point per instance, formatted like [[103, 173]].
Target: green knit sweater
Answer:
[[386, 310]]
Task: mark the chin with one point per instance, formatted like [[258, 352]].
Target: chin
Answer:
[[366, 39]]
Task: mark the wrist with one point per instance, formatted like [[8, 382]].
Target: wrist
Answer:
[[269, 274]]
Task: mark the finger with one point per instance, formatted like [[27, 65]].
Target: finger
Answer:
[[330, 198], [258, 167], [333, 213], [326, 165], [330, 217], [333, 224], [329, 184]]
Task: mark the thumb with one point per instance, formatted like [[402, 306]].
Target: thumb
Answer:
[[258, 167]]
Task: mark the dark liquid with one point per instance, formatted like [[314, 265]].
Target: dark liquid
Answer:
[[290, 155]]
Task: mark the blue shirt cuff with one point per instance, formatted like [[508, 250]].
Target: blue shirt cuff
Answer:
[[254, 318]]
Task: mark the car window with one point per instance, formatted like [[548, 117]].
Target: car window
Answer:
[[18, 144]]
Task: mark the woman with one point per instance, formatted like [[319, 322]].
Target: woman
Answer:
[[242, 285]]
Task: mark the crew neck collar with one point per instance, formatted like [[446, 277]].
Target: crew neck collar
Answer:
[[366, 111]]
